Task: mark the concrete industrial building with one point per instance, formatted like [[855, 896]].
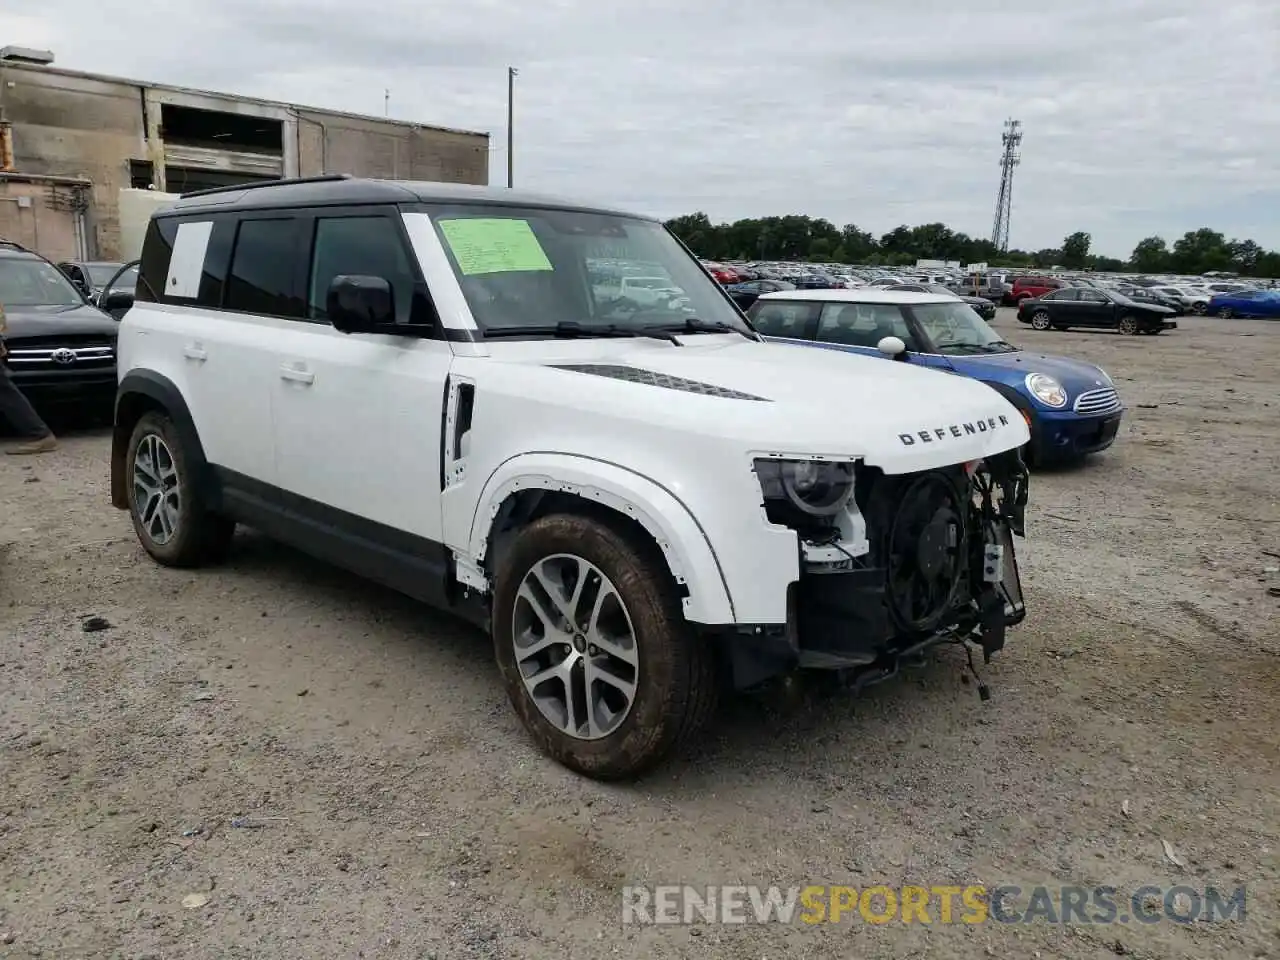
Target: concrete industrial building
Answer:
[[71, 141]]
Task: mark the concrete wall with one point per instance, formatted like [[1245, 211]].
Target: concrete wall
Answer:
[[44, 217], [72, 124], [75, 126], [329, 143]]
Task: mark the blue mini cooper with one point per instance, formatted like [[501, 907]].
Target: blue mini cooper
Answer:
[[1072, 407]]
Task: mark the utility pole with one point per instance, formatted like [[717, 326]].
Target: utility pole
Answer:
[[511, 134], [386, 102], [1010, 158]]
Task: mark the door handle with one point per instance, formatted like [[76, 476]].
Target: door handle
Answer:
[[297, 374], [193, 351]]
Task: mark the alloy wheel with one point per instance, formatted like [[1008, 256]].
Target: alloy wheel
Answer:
[[575, 646], [1040, 321], [155, 489]]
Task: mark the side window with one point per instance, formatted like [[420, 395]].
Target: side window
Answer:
[[157, 249], [1093, 296], [359, 246], [72, 272], [862, 324], [778, 318], [262, 277]]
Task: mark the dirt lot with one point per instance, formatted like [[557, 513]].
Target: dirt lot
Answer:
[[396, 810]]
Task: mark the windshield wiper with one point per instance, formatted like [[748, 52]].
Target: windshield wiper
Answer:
[[696, 325], [961, 347], [1004, 345], [571, 329]]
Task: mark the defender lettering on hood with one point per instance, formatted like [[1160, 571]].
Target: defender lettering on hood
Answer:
[[955, 430]]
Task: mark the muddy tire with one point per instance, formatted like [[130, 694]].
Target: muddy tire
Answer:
[[171, 520], [594, 650]]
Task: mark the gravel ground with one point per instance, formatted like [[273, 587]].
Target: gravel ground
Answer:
[[395, 809]]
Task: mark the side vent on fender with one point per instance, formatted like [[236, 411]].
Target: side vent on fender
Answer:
[[457, 430]]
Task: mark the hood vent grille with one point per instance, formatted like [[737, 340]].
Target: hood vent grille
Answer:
[[652, 379]]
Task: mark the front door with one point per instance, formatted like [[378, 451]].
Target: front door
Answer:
[[1095, 308], [358, 416]]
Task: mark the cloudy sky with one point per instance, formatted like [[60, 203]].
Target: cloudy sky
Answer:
[[1140, 116]]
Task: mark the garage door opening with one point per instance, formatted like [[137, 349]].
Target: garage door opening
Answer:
[[215, 130]]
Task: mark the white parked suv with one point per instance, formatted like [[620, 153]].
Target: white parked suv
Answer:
[[416, 381]]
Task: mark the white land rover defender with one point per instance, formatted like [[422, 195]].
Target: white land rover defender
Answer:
[[417, 382]]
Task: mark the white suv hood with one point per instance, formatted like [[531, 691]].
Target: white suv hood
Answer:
[[783, 399]]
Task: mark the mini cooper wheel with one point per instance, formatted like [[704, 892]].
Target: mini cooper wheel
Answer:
[[171, 522], [1226, 313], [1040, 320], [1129, 325], [594, 650], [1200, 308]]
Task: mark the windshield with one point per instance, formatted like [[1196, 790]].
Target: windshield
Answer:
[[955, 328], [34, 283], [536, 267]]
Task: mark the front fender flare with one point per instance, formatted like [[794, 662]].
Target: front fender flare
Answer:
[[689, 555]]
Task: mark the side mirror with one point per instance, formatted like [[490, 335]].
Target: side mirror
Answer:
[[116, 302], [360, 304], [893, 348]]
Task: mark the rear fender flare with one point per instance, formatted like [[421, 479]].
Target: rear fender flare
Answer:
[[155, 392]]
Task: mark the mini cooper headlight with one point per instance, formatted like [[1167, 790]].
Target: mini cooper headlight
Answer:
[[1046, 389], [798, 493]]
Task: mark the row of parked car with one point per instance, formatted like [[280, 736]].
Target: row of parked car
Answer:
[[1214, 296]]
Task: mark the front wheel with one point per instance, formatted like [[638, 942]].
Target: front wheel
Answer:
[[1040, 320], [594, 650], [1226, 313], [1129, 325], [1200, 308], [171, 520]]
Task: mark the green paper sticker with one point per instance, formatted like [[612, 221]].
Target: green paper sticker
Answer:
[[494, 246]]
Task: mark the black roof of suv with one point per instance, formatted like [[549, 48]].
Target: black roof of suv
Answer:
[[336, 189]]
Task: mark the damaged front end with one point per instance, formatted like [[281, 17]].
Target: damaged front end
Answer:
[[912, 561]]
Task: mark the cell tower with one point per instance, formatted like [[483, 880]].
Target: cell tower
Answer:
[[1012, 138]]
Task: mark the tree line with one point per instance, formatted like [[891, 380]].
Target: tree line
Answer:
[[800, 237]]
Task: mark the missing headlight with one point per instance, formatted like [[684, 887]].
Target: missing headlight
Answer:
[[804, 495]]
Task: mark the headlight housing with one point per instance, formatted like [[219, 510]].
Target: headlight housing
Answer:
[[1047, 390], [804, 494]]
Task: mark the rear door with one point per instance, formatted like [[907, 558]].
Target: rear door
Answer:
[[216, 357]]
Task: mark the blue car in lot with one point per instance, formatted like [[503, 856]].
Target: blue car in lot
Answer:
[[1246, 303], [1072, 407]]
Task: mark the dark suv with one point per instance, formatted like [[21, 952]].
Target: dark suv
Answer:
[[61, 348]]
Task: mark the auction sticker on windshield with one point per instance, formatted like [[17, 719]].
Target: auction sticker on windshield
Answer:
[[491, 245]]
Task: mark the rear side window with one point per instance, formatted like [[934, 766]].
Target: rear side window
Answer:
[[359, 246], [263, 275], [775, 318]]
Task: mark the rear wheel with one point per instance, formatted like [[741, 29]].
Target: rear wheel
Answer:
[[172, 521], [1040, 320], [1129, 325], [595, 653]]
